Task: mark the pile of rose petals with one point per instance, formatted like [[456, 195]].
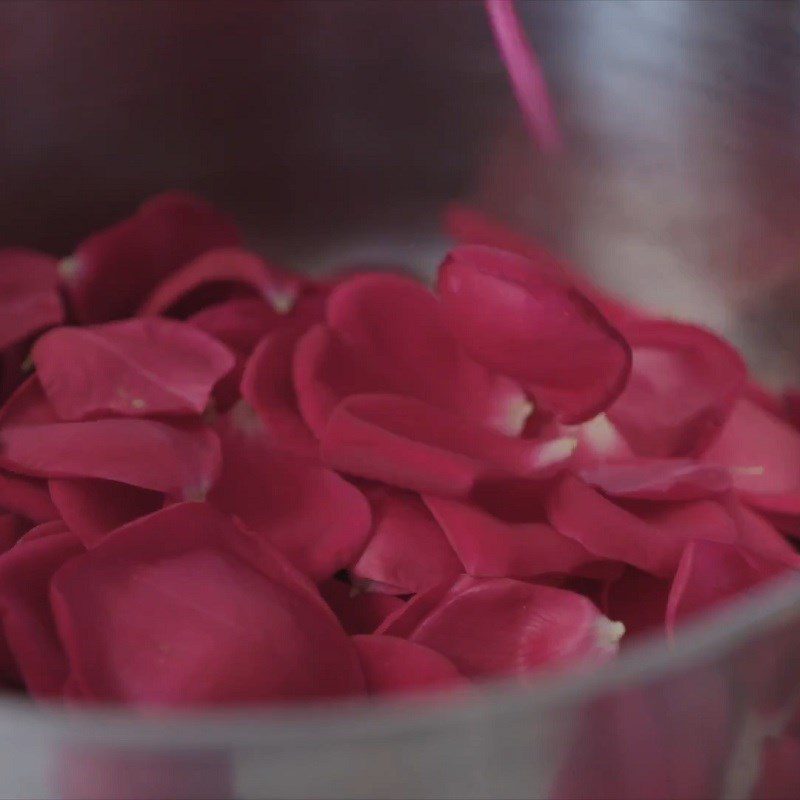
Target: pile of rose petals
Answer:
[[221, 482]]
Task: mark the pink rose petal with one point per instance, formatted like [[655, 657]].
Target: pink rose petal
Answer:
[[658, 479], [180, 460], [763, 455], [490, 547], [683, 384], [471, 227], [652, 539], [411, 445], [543, 334], [407, 548], [267, 386], [392, 665], [27, 497], [710, 573], [226, 267], [93, 508], [29, 299], [113, 271], [135, 368], [27, 406], [25, 574], [169, 611], [542, 628], [385, 333], [357, 611], [315, 518], [638, 601], [240, 324]]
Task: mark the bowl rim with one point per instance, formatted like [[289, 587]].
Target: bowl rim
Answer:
[[712, 636]]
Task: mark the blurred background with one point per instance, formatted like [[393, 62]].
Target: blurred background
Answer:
[[337, 129]]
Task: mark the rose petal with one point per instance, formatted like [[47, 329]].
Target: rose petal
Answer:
[[791, 402], [27, 406], [651, 539], [358, 612], [267, 386], [316, 519], [683, 383], [29, 299], [403, 621], [599, 442], [546, 335], [411, 445], [11, 528], [135, 368], [113, 271], [385, 333], [490, 547], [25, 574], [763, 455], [639, 602], [224, 266], [658, 479], [13, 368], [407, 549], [542, 627], [240, 324], [27, 497], [393, 665], [710, 573], [471, 227], [93, 508], [179, 460], [167, 612]]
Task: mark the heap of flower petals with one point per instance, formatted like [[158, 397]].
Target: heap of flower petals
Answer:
[[224, 483]]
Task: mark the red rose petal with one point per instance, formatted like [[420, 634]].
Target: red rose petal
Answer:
[[358, 612], [710, 573], [411, 445], [683, 383], [27, 406], [240, 323], [385, 334], [791, 402], [11, 528], [651, 540], [471, 227], [135, 368], [167, 612], [490, 547], [407, 548], [542, 627], [93, 508], [25, 574], [27, 497], [404, 620], [658, 479], [539, 332], [396, 665], [599, 441], [316, 519], [113, 270], [226, 266], [763, 454], [639, 602], [179, 460], [29, 299], [267, 386]]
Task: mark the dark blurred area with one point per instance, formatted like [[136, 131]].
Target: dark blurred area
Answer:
[[314, 121]]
